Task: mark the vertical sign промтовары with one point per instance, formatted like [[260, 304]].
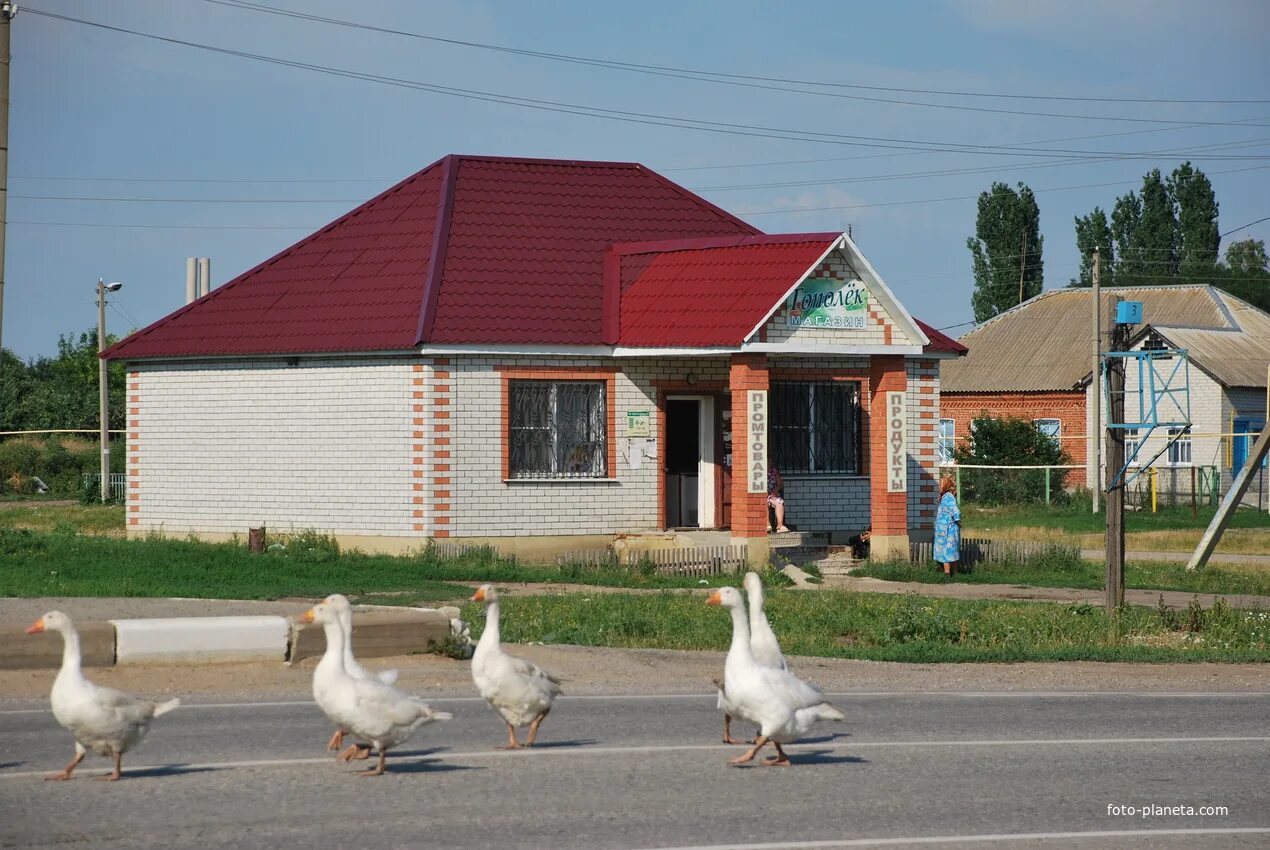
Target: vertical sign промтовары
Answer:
[[756, 440]]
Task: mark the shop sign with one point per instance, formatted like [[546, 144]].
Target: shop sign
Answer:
[[827, 303], [756, 440], [896, 443], [637, 423]]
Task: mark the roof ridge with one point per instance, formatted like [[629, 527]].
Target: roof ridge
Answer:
[[533, 160], [708, 243], [440, 246]]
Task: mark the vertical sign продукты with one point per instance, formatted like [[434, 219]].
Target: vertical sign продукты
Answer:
[[756, 440], [896, 443]]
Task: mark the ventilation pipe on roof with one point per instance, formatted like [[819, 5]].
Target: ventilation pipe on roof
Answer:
[[191, 279], [204, 275]]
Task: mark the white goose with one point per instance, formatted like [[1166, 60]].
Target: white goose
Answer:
[[521, 691], [367, 708], [784, 706], [344, 610], [763, 643], [104, 720]]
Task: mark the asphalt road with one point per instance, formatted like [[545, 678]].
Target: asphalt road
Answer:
[[906, 770]]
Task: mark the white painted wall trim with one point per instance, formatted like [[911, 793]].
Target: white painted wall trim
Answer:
[[782, 348]]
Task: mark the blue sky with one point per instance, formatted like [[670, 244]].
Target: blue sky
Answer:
[[249, 157]]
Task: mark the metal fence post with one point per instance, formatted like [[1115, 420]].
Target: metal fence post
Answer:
[[1155, 478], [1047, 485], [957, 476]]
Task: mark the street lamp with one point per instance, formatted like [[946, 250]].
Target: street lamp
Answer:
[[102, 385]]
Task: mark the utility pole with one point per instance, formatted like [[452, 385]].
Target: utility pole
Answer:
[[1094, 452], [1022, 266], [7, 10], [1115, 465], [103, 387]]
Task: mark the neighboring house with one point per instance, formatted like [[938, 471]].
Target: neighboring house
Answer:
[[1033, 361], [540, 355]]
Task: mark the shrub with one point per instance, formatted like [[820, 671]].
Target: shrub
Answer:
[[1007, 442], [18, 457]]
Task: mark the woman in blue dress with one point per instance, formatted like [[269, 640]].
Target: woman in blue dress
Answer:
[[948, 527]]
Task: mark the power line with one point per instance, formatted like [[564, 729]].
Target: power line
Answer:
[[139, 226], [741, 213], [627, 116], [391, 180], [1241, 227], [966, 197], [722, 76]]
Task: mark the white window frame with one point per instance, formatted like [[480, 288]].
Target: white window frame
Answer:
[[946, 442], [1058, 430], [1179, 449], [1130, 442]]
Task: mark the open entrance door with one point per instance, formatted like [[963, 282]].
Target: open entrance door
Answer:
[[689, 464]]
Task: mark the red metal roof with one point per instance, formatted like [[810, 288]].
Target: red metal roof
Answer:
[[707, 292], [940, 342], [355, 285], [499, 251], [469, 250]]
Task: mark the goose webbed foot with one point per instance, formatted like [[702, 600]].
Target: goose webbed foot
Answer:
[[337, 740], [749, 754], [727, 730], [512, 743], [116, 773], [778, 760], [66, 771], [533, 728], [378, 769], [354, 752]]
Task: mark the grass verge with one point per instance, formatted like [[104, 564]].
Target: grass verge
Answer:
[[839, 624], [1063, 568], [63, 563], [1075, 517], [69, 519]]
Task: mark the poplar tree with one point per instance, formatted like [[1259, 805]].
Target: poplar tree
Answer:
[[1005, 250], [1198, 238], [1094, 231]]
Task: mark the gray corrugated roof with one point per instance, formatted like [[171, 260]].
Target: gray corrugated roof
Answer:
[[1236, 358], [1044, 343]]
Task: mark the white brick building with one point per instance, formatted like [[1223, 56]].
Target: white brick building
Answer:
[[468, 357]]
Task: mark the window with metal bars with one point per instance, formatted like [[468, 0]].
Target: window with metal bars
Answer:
[[557, 429], [815, 427]]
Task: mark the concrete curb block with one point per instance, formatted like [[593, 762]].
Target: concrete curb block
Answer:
[[209, 640], [201, 639], [378, 634], [20, 651]]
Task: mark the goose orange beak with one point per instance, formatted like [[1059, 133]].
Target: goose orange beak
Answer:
[[36, 627], [715, 599], [308, 617], [479, 596]]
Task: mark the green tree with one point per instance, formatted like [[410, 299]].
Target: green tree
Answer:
[[1145, 230], [61, 391], [1094, 231], [1007, 441], [1247, 256], [1006, 250], [1196, 205], [1246, 273]]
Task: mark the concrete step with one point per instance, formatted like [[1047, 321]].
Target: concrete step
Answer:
[[798, 540]]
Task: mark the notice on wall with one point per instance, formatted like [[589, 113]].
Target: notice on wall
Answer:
[[896, 443], [637, 423], [828, 303], [756, 441]]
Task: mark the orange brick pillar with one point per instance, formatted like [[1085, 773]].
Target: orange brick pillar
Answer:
[[889, 510], [749, 510]]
